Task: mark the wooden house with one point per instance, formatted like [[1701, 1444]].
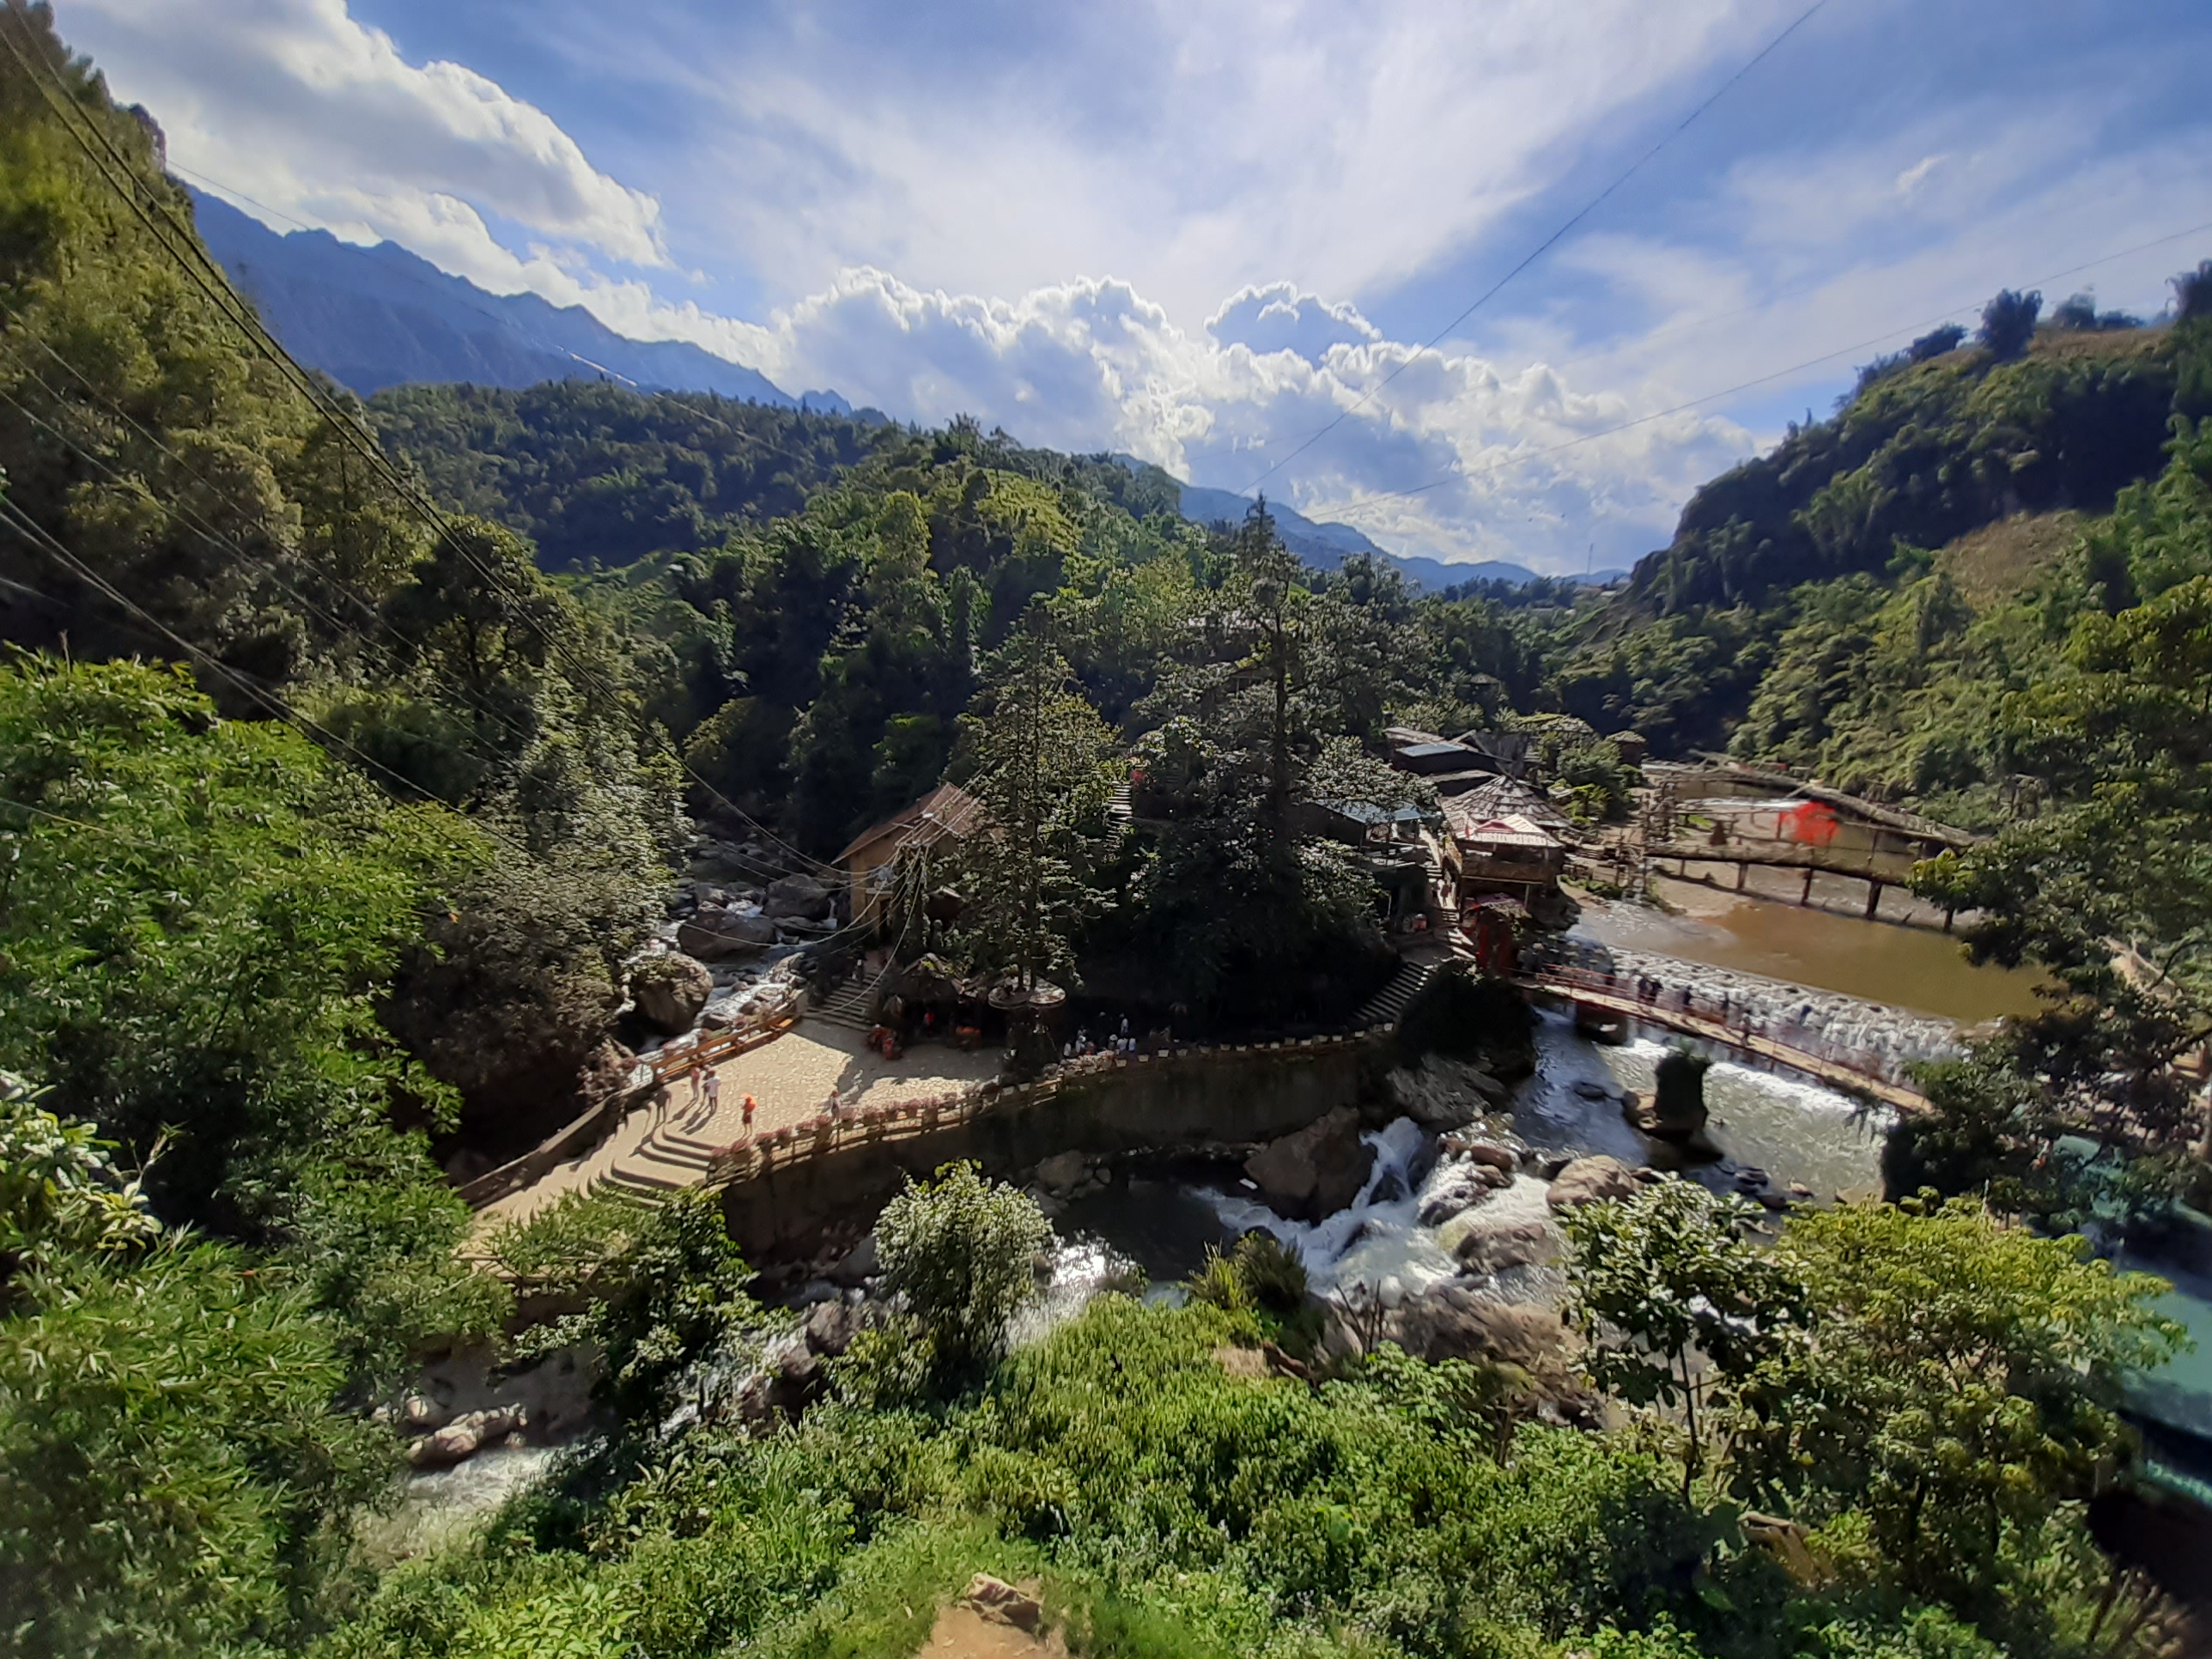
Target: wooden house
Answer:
[[872, 860]]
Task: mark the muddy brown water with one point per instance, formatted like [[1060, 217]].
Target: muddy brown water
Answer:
[[1921, 969]]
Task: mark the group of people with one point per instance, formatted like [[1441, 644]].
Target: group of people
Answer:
[[706, 1095], [1121, 1042]]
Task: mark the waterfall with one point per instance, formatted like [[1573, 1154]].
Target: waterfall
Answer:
[[1378, 1239], [1819, 1022]]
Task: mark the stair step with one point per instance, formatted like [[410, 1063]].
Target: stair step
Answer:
[[1395, 997]]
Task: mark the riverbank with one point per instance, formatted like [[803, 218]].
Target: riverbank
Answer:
[[1887, 961]]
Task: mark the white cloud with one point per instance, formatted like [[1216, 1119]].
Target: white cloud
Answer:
[[1191, 150], [1502, 464], [1040, 231], [1909, 181], [297, 106]]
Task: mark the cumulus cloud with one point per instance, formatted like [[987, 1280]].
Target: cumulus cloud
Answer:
[[299, 107], [929, 217], [1279, 318], [1455, 458]]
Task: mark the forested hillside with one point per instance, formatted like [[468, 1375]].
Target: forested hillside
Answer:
[[329, 824], [596, 474], [1936, 443]]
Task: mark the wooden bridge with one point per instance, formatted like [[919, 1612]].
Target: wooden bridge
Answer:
[[1878, 870], [1841, 1071]]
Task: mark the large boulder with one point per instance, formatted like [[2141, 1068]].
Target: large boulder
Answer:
[[1442, 1094], [1676, 1110], [1486, 1250], [1459, 1187], [831, 1328], [1318, 1170], [1589, 1179], [1450, 1321], [801, 896], [670, 992], [712, 934], [1061, 1173]]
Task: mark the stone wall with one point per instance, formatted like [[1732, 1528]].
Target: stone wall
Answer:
[[782, 1193]]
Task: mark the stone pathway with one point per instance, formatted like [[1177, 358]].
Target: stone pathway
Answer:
[[660, 1149]]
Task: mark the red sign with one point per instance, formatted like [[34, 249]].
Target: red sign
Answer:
[[1812, 824]]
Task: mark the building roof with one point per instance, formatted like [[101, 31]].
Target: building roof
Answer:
[[1364, 811], [1502, 798], [1513, 831], [1404, 734], [947, 810], [1439, 747]]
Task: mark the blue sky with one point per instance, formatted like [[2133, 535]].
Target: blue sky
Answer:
[[1200, 233]]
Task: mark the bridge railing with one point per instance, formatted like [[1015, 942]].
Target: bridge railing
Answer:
[[825, 1132], [1734, 1018], [771, 1017]]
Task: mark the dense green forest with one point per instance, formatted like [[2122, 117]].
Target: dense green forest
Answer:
[[329, 819], [591, 472]]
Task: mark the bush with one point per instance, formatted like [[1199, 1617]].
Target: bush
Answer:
[[962, 1251], [2008, 324], [1259, 1272], [668, 1297]]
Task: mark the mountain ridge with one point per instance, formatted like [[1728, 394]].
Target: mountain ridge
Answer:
[[1325, 544], [376, 316]]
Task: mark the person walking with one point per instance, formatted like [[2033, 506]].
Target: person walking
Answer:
[[714, 1095], [750, 1107], [698, 1071]]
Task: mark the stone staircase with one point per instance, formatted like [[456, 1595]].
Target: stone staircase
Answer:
[[666, 1161], [1388, 1006], [853, 1004]]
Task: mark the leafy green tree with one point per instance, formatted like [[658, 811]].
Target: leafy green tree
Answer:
[[963, 1251], [59, 1187], [1246, 733], [1041, 765], [667, 1289], [1962, 1385], [2008, 324], [1680, 1307], [171, 1474], [197, 916]]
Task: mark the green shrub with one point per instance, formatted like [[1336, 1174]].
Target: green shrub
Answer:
[[963, 1251]]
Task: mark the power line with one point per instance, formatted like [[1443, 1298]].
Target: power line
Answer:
[[191, 257], [1503, 462], [30, 530], [1542, 247], [369, 607], [553, 347]]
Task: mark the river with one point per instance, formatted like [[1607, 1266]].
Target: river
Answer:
[[1916, 968]]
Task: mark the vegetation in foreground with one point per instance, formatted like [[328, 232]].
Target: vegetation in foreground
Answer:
[[374, 874], [1928, 1392]]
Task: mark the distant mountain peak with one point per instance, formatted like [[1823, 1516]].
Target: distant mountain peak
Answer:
[[1325, 545], [381, 316]]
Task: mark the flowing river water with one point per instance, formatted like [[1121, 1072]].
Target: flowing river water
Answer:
[[1797, 1131]]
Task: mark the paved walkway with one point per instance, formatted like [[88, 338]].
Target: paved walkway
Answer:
[[663, 1149]]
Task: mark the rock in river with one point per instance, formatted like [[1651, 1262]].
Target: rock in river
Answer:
[[1316, 1171], [669, 991], [1589, 1179], [798, 895], [714, 934]]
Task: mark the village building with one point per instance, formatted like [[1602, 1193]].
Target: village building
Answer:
[[870, 862], [1514, 856]]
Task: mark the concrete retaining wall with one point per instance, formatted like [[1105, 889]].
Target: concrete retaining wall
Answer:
[[779, 1195]]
